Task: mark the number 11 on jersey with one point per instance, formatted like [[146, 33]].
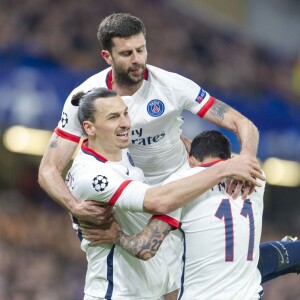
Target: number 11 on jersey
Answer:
[[224, 212]]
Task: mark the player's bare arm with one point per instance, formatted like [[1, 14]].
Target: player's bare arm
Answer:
[[57, 155], [171, 196], [145, 244], [214, 115], [187, 143], [225, 116], [218, 110]]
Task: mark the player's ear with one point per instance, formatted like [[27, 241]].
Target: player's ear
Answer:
[[106, 56], [193, 161], [88, 127]]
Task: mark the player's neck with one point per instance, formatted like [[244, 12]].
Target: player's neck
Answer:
[[208, 160], [125, 90], [114, 154]]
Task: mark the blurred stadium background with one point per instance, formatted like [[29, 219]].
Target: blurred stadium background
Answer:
[[246, 53]]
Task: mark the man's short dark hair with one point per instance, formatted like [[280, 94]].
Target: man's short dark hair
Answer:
[[210, 143], [121, 25]]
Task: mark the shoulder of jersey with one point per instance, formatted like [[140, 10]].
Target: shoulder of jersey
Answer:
[[84, 159], [96, 80], [160, 74]]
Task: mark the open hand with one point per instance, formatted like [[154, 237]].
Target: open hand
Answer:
[[245, 171]]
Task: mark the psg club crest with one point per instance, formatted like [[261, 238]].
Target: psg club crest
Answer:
[[155, 108]]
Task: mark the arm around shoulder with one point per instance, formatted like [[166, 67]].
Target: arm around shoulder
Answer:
[[173, 195], [56, 157]]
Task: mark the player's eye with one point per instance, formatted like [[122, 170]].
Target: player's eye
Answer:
[[141, 49], [126, 54]]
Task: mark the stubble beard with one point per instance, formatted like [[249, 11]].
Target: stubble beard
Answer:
[[123, 77]]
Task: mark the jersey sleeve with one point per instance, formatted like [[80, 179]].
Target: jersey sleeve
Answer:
[[110, 188], [191, 96], [172, 218], [68, 126]]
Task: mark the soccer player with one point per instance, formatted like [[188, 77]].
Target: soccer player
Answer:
[[102, 171], [155, 100], [220, 235]]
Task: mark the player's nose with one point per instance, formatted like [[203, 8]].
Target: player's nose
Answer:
[[136, 57], [125, 121]]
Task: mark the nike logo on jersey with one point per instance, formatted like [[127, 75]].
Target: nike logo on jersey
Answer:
[[127, 172]]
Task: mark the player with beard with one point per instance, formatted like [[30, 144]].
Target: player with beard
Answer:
[[155, 99]]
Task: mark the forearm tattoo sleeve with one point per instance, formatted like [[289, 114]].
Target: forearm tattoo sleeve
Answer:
[[145, 244], [218, 110]]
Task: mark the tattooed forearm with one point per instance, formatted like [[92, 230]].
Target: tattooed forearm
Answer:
[[54, 142], [145, 244], [219, 109]]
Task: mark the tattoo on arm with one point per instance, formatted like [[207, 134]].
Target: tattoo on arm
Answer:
[[145, 244], [54, 142], [219, 109]]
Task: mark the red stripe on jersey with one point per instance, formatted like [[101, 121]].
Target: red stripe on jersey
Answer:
[[109, 80], [146, 73], [90, 151], [201, 113], [211, 163], [118, 193], [66, 135], [173, 222]]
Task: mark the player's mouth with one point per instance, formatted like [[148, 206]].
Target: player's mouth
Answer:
[[137, 70], [123, 135]]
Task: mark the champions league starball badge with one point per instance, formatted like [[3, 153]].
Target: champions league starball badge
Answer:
[[155, 108], [100, 182], [64, 119]]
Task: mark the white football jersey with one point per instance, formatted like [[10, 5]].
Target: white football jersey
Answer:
[[221, 240], [112, 273], [155, 111]]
